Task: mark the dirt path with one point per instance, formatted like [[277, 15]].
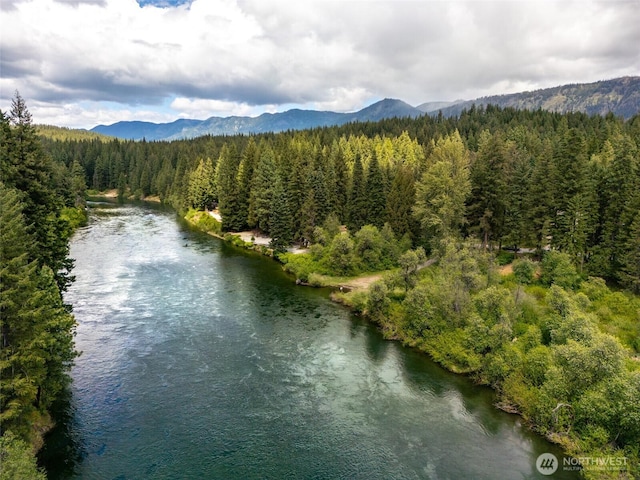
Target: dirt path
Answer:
[[362, 283]]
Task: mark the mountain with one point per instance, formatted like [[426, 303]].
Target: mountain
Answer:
[[621, 96], [430, 107], [295, 119], [387, 108]]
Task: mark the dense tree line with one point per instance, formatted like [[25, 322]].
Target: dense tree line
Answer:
[[535, 179], [552, 338], [37, 214], [558, 349]]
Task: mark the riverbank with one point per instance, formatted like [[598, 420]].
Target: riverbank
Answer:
[[280, 383], [114, 194], [505, 335], [474, 319]]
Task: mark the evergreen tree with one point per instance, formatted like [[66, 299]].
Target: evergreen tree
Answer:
[[376, 199], [280, 220], [400, 201], [27, 168], [226, 180], [316, 206], [622, 182], [540, 200], [261, 196], [443, 189], [78, 184], [571, 199], [202, 189], [36, 328], [357, 197], [250, 157], [488, 193], [630, 261], [341, 191], [518, 174]]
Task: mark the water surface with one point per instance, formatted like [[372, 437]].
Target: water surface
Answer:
[[202, 361]]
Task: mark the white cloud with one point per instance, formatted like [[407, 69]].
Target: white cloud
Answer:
[[223, 57], [205, 108]]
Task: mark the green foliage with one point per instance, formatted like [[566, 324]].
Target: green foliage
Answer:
[[37, 330], [203, 221], [75, 217], [261, 194], [202, 188], [443, 189], [17, 461], [565, 182], [524, 271], [558, 269], [358, 197], [377, 301], [41, 203], [280, 219], [545, 354], [409, 262], [70, 134], [341, 256], [630, 261], [400, 201]]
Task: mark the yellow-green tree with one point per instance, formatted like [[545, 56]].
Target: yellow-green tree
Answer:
[[443, 189]]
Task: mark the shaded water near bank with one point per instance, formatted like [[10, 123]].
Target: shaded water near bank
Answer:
[[202, 361]]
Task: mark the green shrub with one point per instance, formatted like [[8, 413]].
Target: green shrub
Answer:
[[17, 460], [75, 217]]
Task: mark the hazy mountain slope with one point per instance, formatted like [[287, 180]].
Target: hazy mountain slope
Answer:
[[147, 130], [620, 96], [429, 107], [387, 108], [267, 122]]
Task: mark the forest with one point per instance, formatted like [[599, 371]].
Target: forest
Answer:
[[41, 203], [531, 217]]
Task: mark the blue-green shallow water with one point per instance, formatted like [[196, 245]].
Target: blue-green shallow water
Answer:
[[200, 361]]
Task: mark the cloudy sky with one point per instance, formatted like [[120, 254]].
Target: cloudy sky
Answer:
[[80, 63]]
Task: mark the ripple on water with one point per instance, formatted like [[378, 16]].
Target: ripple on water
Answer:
[[203, 362]]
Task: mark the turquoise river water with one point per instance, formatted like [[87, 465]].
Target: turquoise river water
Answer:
[[200, 361]]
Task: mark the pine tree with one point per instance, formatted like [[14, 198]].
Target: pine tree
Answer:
[[376, 199], [570, 168], [357, 197], [540, 200], [630, 261], [443, 189], [487, 204], [36, 328], [280, 220], [261, 195], [226, 181], [202, 189], [341, 192], [518, 176], [27, 168], [400, 202], [250, 157], [621, 184]]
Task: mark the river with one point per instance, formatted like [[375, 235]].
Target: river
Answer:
[[202, 361]]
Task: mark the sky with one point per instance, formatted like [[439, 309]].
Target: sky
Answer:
[[80, 63]]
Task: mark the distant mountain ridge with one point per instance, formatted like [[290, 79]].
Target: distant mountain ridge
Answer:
[[620, 96], [295, 119]]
